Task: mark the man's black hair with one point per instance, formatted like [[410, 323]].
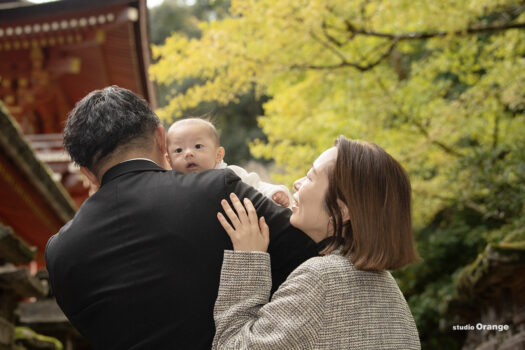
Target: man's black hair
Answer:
[[106, 121]]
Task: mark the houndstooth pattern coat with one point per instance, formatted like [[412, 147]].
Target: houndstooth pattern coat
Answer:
[[326, 303]]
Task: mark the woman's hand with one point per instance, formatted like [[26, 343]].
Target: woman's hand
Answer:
[[247, 233]]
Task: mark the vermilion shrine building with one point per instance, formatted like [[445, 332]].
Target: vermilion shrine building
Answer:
[[52, 55]]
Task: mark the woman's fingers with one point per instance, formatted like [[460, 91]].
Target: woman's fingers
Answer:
[[239, 208], [226, 225], [252, 215], [246, 231], [230, 213]]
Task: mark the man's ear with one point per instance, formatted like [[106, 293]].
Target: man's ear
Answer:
[[168, 160], [92, 178], [160, 138], [220, 154]]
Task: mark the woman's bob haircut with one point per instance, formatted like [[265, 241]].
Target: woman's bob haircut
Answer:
[[376, 233]]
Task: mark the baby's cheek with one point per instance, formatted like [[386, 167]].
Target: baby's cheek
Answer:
[[177, 166]]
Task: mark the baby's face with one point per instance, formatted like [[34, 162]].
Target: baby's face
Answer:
[[191, 149]]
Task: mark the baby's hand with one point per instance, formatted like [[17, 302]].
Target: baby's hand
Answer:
[[281, 198]]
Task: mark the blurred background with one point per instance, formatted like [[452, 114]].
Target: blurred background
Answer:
[[439, 85]]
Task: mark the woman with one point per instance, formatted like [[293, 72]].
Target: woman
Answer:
[[357, 195]]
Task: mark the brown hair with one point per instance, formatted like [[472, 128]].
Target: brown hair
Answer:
[[376, 190]]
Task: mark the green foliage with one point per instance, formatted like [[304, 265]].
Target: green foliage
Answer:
[[170, 17], [426, 308], [514, 233], [29, 337], [177, 16], [452, 240], [236, 121], [438, 84]]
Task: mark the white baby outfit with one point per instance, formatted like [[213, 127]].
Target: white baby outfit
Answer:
[[254, 180]]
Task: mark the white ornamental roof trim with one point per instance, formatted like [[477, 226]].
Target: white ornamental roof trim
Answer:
[[130, 14]]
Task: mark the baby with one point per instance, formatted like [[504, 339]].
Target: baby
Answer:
[[193, 146]]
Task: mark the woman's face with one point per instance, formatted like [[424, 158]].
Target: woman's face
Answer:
[[309, 213]]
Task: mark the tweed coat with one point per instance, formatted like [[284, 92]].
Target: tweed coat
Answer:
[[326, 303]]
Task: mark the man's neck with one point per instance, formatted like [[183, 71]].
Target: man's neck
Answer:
[[110, 163]]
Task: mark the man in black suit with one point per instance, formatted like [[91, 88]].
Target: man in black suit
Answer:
[[138, 266]]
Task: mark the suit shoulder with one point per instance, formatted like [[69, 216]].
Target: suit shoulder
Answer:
[[214, 175], [51, 250], [209, 182], [231, 176], [57, 235], [226, 177]]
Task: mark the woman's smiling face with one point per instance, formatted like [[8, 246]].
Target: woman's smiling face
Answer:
[[309, 213]]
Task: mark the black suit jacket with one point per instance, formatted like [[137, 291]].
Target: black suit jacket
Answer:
[[138, 267]]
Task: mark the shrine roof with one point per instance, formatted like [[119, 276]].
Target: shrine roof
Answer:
[[44, 10], [42, 311], [13, 249], [51, 56], [33, 204], [105, 42]]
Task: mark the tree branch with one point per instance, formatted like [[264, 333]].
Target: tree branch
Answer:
[[328, 46], [344, 63], [441, 145], [420, 126], [395, 38], [329, 36], [495, 132], [428, 35]]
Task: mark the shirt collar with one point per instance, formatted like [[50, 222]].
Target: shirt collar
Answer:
[[128, 160], [130, 165]]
